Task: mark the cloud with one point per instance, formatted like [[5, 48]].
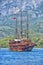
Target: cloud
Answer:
[[4, 3], [3, 13], [23, 6], [32, 4], [15, 10]]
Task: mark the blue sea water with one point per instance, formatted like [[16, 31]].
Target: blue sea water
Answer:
[[35, 57]]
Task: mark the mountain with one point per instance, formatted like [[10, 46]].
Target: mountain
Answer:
[[11, 8]]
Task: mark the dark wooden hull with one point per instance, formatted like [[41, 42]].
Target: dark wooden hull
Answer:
[[21, 49], [21, 46]]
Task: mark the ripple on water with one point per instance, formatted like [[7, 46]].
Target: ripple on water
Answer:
[[35, 57]]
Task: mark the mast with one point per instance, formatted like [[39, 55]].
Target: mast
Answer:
[[16, 29], [16, 33], [21, 25], [27, 27], [21, 22]]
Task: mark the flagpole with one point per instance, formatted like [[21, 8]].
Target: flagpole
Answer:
[[16, 29], [27, 27]]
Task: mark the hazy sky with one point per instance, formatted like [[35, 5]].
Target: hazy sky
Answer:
[[7, 7]]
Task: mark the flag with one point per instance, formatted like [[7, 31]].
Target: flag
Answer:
[[14, 18]]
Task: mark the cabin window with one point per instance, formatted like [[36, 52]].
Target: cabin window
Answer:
[[18, 41], [14, 41], [15, 46]]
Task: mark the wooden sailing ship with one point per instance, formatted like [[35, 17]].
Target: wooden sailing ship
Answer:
[[21, 44]]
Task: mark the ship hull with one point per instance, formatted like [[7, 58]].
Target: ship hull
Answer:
[[21, 48], [23, 45], [27, 49]]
